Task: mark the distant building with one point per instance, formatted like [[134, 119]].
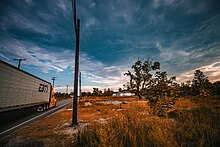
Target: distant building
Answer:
[[123, 93]]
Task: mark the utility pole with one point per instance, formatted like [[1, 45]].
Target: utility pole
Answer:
[[19, 62], [67, 88], [77, 30], [53, 79], [80, 90]]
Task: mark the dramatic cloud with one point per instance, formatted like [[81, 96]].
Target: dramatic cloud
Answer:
[[212, 71], [183, 35]]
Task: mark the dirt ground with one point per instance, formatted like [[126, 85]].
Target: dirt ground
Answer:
[[56, 129]]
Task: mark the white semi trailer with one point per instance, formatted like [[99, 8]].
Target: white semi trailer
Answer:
[[19, 90]]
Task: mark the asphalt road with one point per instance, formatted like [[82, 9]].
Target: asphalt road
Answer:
[[10, 127]]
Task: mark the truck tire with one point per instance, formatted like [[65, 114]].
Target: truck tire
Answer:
[[40, 108]]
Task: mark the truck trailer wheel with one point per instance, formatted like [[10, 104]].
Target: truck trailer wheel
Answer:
[[40, 108]]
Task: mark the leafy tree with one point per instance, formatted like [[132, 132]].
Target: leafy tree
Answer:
[[126, 86], [216, 88], [130, 84], [141, 76], [162, 85], [59, 95], [185, 88], [147, 67], [95, 92], [107, 92], [83, 94], [200, 80], [200, 83]]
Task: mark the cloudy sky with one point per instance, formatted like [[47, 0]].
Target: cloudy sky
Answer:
[[183, 35]]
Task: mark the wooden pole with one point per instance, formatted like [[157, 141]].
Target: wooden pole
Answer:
[[53, 79], [19, 62], [77, 32], [80, 82], [67, 88]]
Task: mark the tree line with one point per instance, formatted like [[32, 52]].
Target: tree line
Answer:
[[147, 80], [98, 93], [95, 93]]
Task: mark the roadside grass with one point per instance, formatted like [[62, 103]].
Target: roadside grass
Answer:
[[128, 129], [193, 125]]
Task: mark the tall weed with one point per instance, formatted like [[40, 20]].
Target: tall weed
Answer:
[[198, 127], [135, 127]]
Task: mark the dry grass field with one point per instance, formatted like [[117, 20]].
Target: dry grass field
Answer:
[[124, 121]]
